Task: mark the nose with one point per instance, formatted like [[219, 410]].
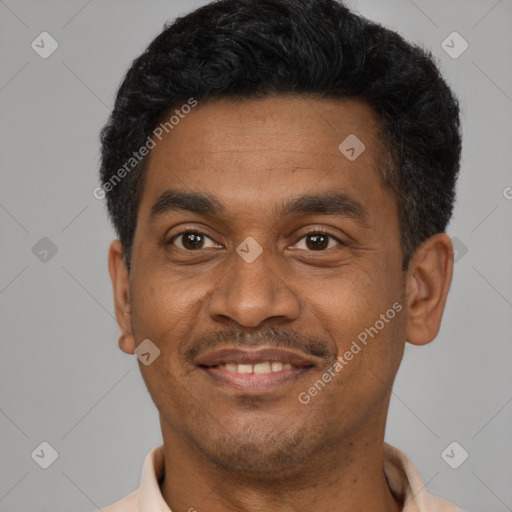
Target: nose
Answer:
[[251, 293]]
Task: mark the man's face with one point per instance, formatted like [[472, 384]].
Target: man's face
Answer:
[[323, 276]]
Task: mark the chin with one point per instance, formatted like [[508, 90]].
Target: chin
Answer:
[[265, 454]]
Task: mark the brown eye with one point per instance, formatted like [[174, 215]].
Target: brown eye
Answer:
[[191, 240], [318, 241]]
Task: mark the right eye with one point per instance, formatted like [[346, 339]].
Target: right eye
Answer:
[[191, 240]]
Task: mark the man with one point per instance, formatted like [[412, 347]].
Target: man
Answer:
[[280, 174]]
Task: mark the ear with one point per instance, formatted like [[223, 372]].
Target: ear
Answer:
[[120, 286], [428, 281]]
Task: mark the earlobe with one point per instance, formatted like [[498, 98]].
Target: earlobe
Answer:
[[126, 344], [428, 282], [120, 286]]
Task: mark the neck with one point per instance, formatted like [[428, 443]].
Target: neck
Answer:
[[347, 475]]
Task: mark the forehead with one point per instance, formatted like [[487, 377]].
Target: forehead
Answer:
[[253, 151]]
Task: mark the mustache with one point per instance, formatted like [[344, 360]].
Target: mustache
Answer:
[[271, 336]]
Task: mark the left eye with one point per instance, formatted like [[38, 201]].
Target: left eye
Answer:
[[318, 241]]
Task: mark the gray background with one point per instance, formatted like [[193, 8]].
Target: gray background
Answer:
[[64, 379]]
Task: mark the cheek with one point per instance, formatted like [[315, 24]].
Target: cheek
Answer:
[[158, 302], [352, 299], [165, 310], [361, 311]]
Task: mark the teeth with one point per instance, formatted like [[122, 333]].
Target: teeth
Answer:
[[277, 366], [259, 368]]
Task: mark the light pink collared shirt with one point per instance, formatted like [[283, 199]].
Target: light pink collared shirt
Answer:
[[401, 474]]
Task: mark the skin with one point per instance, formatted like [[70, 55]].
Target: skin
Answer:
[[226, 450]]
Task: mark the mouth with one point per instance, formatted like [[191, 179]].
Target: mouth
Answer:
[[255, 371]]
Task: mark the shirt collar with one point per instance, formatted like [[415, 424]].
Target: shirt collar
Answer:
[[403, 479]]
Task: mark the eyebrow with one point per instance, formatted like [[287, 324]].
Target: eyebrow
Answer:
[[331, 203]]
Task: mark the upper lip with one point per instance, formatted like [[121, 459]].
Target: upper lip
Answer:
[[260, 355]]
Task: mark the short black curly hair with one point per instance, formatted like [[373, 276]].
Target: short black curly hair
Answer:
[[254, 48]]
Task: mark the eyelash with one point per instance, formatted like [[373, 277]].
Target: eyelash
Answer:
[[198, 232]]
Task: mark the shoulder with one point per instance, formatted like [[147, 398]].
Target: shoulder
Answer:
[[437, 504], [127, 504]]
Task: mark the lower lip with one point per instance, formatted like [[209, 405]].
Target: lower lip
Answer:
[[256, 382]]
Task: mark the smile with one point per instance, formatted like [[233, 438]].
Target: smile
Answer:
[[260, 368], [255, 371]]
